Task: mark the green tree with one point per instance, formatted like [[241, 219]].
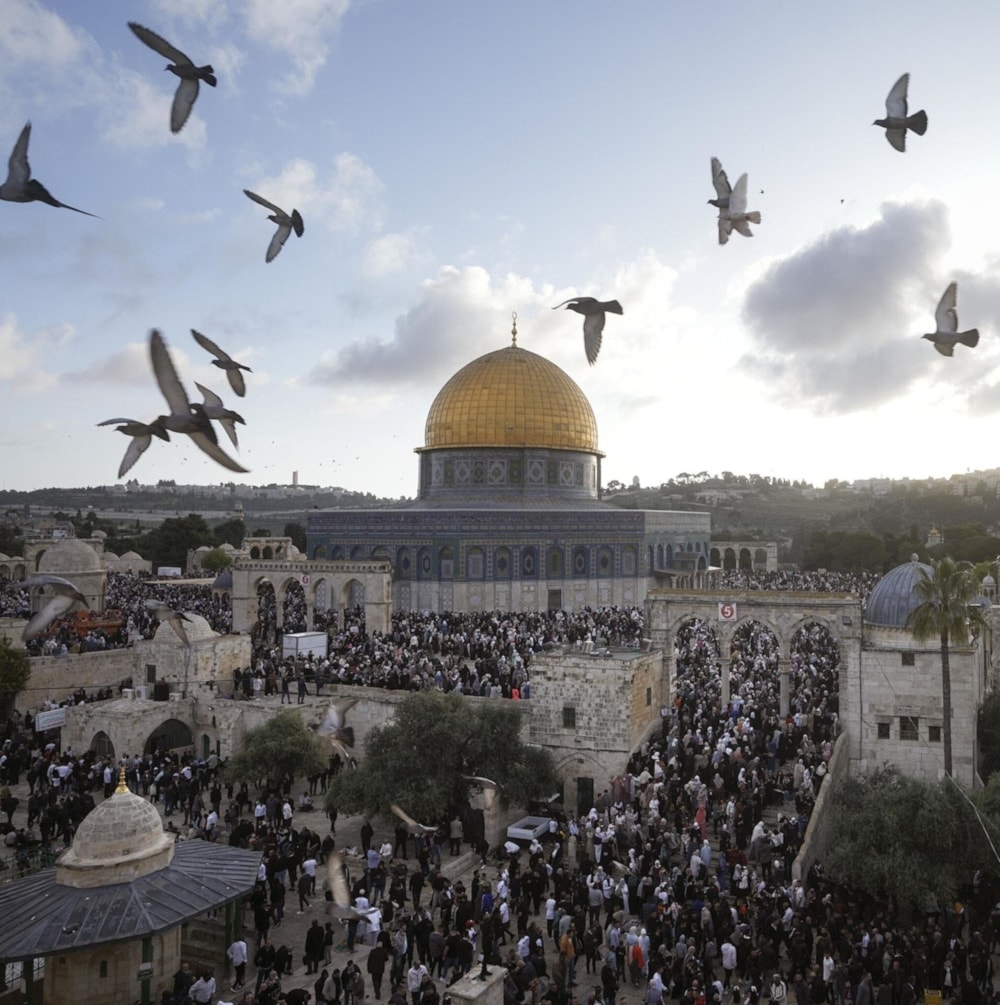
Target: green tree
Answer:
[[281, 748], [419, 757], [230, 531], [15, 670], [170, 542], [297, 532], [216, 561], [946, 613], [895, 836]]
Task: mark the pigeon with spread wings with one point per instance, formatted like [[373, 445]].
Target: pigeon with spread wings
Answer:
[[224, 362], [182, 66], [722, 187], [342, 905], [164, 613], [286, 224], [142, 434], [594, 313], [897, 120], [947, 335], [185, 417], [65, 595], [20, 186], [735, 216], [215, 409]]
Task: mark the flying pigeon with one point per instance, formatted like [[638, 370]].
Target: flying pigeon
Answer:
[[286, 224], [142, 434], [185, 417], [224, 362], [181, 66], [20, 186], [225, 417], [735, 216], [333, 726], [411, 825], [593, 312], [337, 881], [722, 187], [164, 613], [65, 596], [946, 317], [896, 120]]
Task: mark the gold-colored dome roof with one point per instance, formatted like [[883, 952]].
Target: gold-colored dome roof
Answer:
[[511, 398]]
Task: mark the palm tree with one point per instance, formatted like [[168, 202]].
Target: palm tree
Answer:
[[946, 612]]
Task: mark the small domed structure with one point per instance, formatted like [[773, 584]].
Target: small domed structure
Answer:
[[196, 628], [223, 581], [69, 556], [894, 596], [117, 842]]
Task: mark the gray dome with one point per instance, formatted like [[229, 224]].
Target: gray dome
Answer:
[[893, 597], [223, 581]]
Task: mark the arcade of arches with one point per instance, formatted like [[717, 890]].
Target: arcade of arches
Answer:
[[264, 593], [749, 556]]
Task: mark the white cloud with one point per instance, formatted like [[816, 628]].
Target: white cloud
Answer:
[[300, 29], [348, 199], [195, 13], [23, 356], [393, 253], [128, 365]]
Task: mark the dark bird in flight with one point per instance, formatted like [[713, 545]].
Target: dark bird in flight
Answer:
[[896, 120], [722, 187], [224, 362], [286, 224], [593, 312], [184, 416], [181, 66], [142, 434], [165, 614], [65, 595], [20, 186], [340, 891], [412, 826], [947, 335], [215, 409]]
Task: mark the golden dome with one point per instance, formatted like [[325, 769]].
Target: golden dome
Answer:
[[511, 398]]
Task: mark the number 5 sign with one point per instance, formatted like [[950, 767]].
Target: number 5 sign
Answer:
[[727, 612]]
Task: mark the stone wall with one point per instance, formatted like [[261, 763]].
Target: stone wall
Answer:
[[591, 711], [822, 822], [55, 678]]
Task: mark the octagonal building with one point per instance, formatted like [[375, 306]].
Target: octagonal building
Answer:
[[508, 514]]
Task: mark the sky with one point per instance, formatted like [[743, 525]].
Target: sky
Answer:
[[455, 162]]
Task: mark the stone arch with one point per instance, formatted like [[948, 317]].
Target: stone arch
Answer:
[[38, 558], [555, 563], [581, 561], [746, 560], [337, 553], [404, 563], [267, 608], [20, 572], [659, 557], [729, 560], [605, 561], [5, 570], [652, 561], [814, 662], [357, 552], [760, 558], [475, 563], [102, 746], [503, 564], [529, 564], [267, 552], [669, 557], [702, 564], [255, 552], [352, 594], [170, 735], [446, 562], [294, 616], [425, 566], [380, 551], [714, 557]]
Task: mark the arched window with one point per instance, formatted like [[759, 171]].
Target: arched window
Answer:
[[503, 565], [446, 563], [475, 563], [529, 563], [554, 563], [581, 564]]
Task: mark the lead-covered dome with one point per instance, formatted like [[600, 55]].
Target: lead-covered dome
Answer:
[[894, 595], [511, 398]]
